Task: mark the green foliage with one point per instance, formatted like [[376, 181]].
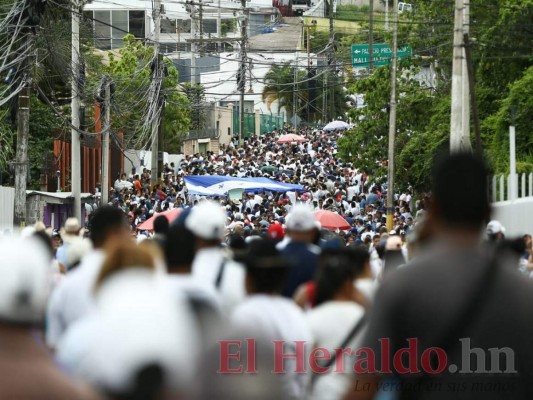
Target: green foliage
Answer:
[[519, 99], [502, 58], [131, 73], [195, 93], [281, 85]]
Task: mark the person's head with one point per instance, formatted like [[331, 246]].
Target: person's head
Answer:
[[460, 197], [179, 249], [107, 225], [161, 225], [207, 222], [495, 231], [527, 241], [25, 271], [266, 270], [122, 255], [336, 273], [301, 224]]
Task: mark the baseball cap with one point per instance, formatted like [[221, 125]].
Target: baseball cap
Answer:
[[207, 221], [275, 232], [300, 219], [494, 227]]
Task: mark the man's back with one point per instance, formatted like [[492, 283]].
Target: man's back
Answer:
[[303, 259], [423, 300], [72, 299]]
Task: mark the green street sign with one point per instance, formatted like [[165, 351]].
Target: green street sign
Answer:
[[382, 54]]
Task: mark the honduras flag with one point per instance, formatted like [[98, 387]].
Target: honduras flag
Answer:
[[215, 185]]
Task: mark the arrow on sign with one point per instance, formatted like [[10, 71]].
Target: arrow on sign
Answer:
[[357, 51]]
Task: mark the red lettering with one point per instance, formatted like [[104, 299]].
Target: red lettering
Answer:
[[225, 356], [280, 356], [314, 357], [442, 360], [369, 361], [385, 355], [339, 359], [411, 351], [251, 367]]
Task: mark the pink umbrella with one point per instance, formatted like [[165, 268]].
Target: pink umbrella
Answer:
[[291, 137], [331, 220], [171, 215]]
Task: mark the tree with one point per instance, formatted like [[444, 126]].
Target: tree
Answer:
[[195, 93], [279, 88], [131, 71]]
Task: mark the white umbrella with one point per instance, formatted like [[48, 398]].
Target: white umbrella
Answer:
[[334, 125], [121, 185]]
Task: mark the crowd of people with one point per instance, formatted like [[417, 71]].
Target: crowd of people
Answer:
[[216, 303]]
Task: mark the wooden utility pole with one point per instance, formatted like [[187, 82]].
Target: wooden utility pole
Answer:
[[242, 76], [392, 120], [75, 167], [105, 141], [371, 36], [156, 87], [21, 163]]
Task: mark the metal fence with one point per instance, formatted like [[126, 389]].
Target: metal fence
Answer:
[[211, 133], [249, 124], [269, 122]]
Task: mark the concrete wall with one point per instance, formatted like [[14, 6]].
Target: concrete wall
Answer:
[[7, 210], [513, 210]]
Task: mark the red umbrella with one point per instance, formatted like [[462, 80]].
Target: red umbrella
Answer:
[[291, 137], [331, 220], [171, 215]]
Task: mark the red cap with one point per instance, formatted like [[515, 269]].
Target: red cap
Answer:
[[275, 232]]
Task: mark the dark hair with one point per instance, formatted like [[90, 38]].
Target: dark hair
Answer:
[[149, 382], [265, 266], [42, 237], [335, 268], [179, 246], [460, 190], [161, 224], [105, 220]]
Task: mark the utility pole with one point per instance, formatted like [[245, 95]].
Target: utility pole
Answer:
[[156, 85], [219, 25], [331, 56], [458, 141], [105, 140], [513, 181], [386, 14], [465, 122], [21, 163], [392, 120], [242, 76], [294, 91], [371, 36], [75, 105], [473, 100], [193, 44]]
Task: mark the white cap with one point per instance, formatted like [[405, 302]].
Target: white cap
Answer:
[[494, 227], [136, 322], [300, 219], [393, 243], [25, 271], [207, 221]]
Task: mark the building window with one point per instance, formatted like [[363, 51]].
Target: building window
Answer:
[[119, 20], [102, 30], [137, 24], [210, 25], [110, 27], [168, 25]]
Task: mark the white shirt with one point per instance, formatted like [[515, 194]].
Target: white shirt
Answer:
[[185, 284], [269, 318], [206, 267], [73, 298], [330, 324]]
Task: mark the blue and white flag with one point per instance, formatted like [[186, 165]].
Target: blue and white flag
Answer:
[[215, 185]]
